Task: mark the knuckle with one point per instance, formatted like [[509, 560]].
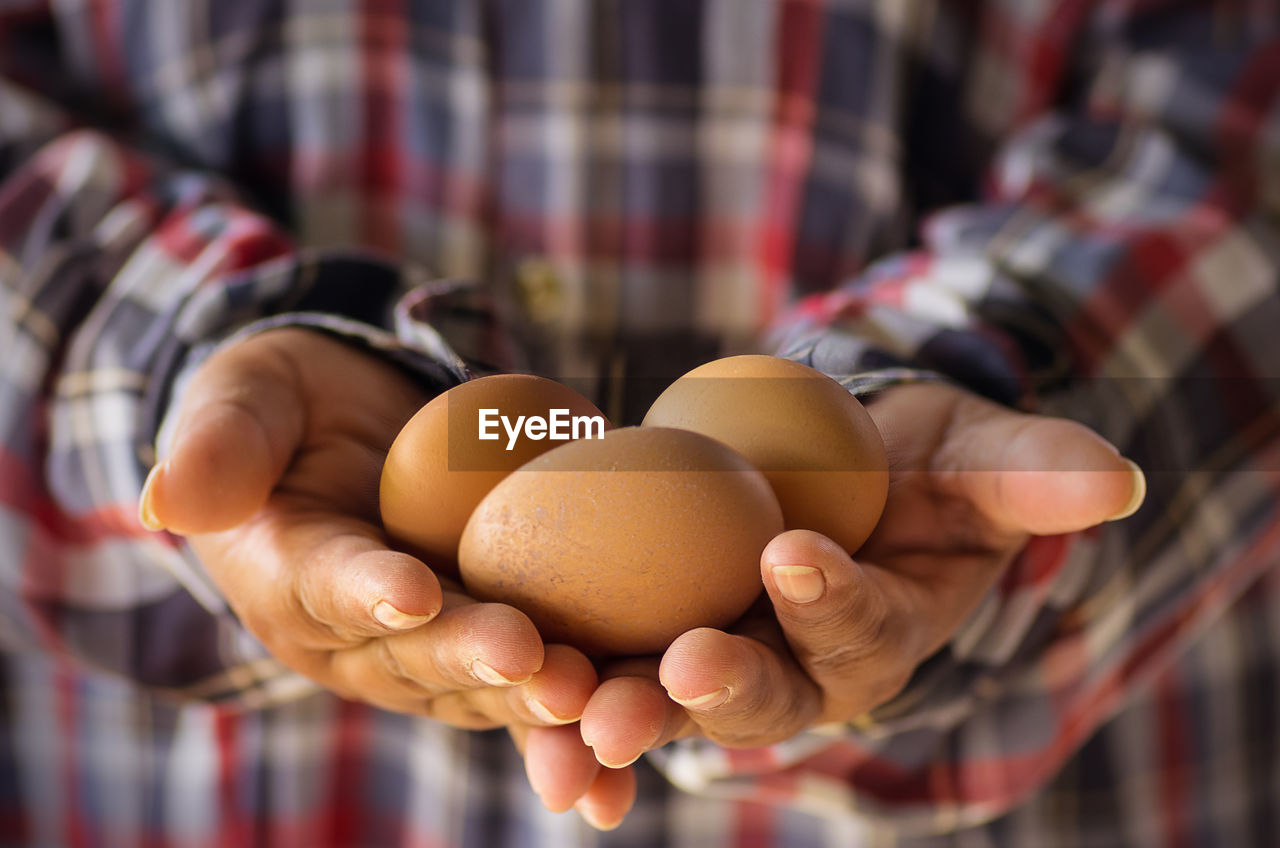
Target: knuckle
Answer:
[[838, 661], [300, 604], [737, 737], [847, 641], [272, 622], [387, 656], [754, 728], [294, 607], [457, 712], [854, 609], [769, 714]]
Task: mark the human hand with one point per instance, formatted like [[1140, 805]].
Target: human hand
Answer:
[[273, 478], [970, 482]]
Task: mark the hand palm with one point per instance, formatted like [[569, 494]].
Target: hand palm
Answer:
[[970, 481], [321, 506], [273, 476]]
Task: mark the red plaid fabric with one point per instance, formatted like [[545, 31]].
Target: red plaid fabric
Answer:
[[1067, 206]]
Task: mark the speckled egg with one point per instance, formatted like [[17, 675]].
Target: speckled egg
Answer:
[[439, 468], [618, 545], [816, 444]]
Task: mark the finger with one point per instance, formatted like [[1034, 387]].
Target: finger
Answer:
[[556, 695], [627, 716], [464, 647], [357, 588], [738, 690], [609, 799], [306, 584], [454, 711], [561, 768], [239, 423], [1036, 474], [559, 691], [856, 631]]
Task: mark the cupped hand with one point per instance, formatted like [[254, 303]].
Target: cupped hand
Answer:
[[837, 636], [273, 478]]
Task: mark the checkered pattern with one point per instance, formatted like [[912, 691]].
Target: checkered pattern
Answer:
[[1068, 206]]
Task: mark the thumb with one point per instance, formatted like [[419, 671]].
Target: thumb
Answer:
[[856, 629], [239, 423], [1041, 475]]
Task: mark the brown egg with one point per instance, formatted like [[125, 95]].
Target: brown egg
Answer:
[[619, 545], [814, 441], [439, 468]]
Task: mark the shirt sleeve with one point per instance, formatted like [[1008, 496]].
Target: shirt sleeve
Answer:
[[1121, 270], [118, 275]]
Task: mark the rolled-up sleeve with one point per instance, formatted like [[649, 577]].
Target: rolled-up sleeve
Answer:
[[118, 275]]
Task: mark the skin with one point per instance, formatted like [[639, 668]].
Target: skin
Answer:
[[273, 478]]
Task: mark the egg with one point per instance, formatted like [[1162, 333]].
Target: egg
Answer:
[[816, 444], [439, 467], [618, 545]]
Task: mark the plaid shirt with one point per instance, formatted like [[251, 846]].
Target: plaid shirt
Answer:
[[1069, 206]]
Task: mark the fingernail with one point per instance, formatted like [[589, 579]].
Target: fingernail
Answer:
[[589, 815], [1139, 493], [800, 584], [146, 511], [618, 765], [486, 673], [391, 617], [704, 702], [540, 710]]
